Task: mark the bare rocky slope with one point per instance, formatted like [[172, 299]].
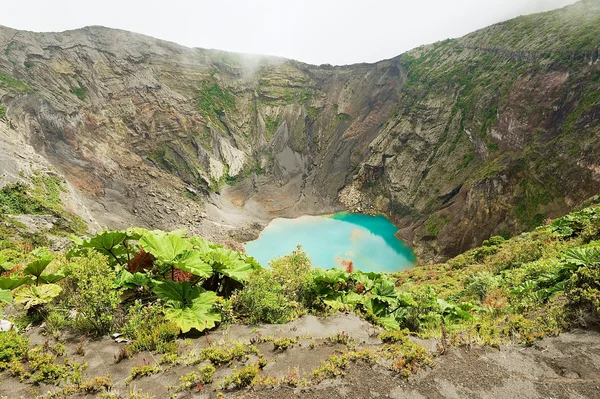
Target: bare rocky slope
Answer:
[[488, 134]]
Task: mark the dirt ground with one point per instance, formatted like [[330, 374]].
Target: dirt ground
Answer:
[[567, 366]]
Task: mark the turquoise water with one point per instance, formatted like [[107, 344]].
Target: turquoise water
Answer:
[[331, 241]]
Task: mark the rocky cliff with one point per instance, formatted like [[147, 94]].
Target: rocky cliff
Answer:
[[488, 134]]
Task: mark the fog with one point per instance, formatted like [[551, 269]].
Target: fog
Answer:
[[313, 31]]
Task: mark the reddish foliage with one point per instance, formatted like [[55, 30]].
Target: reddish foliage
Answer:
[[141, 261], [180, 276], [348, 265], [360, 287]]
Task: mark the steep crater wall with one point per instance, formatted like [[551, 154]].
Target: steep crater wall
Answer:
[[489, 134]]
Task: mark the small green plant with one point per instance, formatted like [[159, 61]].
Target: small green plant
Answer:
[[2, 111], [143, 371], [394, 336], [170, 359], [480, 284], [225, 355], [97, 384], [339, 338], [284, 343], [407, 357], [197, 379], [55, 322], [80, 91], [241, 378], [331, 368]]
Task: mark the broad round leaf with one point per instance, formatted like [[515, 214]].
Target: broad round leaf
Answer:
[[196, 312], [5, 296], [192, 262], [36, 267], [170, 291], [164, 246], [52, 278], [10, 283], [32, 295], [228, 263]]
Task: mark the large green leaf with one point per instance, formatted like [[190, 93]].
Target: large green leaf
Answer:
[[109, 243], [10, 283], [192, 262], [38, 266], [52, 278], [31, 295], [366, 279], [229, 263], [585, 256], [105, 241], [169, 291], [200, 316], [165, 247], [5, 264], [389, 322], [378, 308], [330, 276], [385, 291], [5, 296], [189, 307], [200, 244], [135, 233], [128, 280]]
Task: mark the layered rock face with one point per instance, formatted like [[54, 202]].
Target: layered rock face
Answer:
[[489, 134]]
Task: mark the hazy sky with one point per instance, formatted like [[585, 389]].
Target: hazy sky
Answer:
[[314, 31]]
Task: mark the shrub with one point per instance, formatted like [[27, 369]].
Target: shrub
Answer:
[[263, 300], [584, 288], [481, 253], [91, 291], [494, 241], [331, 368], [148, 330], [12, 346], [294, 273], [407, 357], [480, 284]]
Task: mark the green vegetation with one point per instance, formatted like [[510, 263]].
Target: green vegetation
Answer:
[[2, 111], [436, 222], [242, 377], [80, 91], [90, 291], [153, 286], [213, 100], [13, 85], [41, 197], [149, 330], [533, 195], [271, 125], [284, 343], [575, 28], [196, 379]]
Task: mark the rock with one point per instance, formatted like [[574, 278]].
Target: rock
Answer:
[[6, 325]]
